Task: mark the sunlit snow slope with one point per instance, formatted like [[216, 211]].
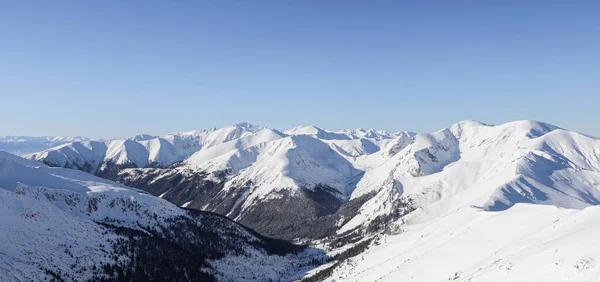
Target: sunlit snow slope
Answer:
[[70, 225], [514, 202], [489, 167], [527, 242], [353, 179]]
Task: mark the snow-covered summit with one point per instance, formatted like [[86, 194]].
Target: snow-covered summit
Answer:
[[318, 132], [141, 150], [492, 167], [519, 202], [312, 183], [146, 150]]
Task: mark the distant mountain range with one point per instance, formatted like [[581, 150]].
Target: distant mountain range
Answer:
[[22, 145], [366, 191], [239, 170]]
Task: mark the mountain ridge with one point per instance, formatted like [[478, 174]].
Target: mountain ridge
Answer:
[[238, 170], [362, 199]]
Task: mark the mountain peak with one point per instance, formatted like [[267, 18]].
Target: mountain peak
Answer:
[[245, 125], [527, 128], [142, 137]]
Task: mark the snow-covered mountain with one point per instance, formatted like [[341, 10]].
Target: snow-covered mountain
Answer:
[[351, 180], [103, 158], [491, 167], [514, 202], [528, 242], [236, 169], [22, 145], [407, 199], [63, 224]]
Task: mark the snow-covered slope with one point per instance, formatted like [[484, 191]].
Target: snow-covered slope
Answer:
[[104, 158], [491, 167], [239, 167], [524, 243], [475, 202], [294, 161], [22, 145], [516, 196], [198, 146], [353, 179], [66, 224], [350, 142]]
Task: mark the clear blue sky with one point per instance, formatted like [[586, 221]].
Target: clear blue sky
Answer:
[[118, 68]]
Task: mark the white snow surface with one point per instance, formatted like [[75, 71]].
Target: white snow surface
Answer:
[[299, 158], [510, 202], [527, 242], [492, 167], [48, 217], [142, 150], [514, 202], [48, 220]]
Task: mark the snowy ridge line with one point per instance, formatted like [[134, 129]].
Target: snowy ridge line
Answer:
[[242, 170], [519, 195]]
